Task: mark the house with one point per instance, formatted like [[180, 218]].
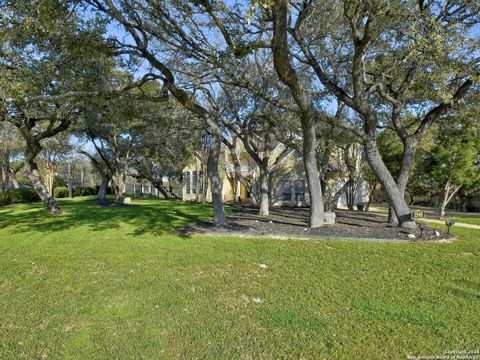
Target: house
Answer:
[[195, 180], [288, 186]]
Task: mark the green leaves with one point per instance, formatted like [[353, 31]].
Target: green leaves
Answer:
[[455, 156]]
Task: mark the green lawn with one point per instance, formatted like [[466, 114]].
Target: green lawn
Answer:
[[118, 283], [475, 220]]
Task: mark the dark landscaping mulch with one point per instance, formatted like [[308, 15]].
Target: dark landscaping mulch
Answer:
[[109, 203], [293, 222]]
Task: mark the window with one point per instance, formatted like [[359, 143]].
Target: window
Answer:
[[200, 182], [188, 188], [194, 182], [245, 168], [299, 190], [286, 190]]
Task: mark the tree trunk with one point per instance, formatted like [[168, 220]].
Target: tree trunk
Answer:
[[167, 194], [389, 185], [8, 174], [239, 179], [370, 197], [447, 196], [392, 218], [334, 202], [102, 190], [264, 191], [409, 149], [311, 169], [351, 191], [443, 203], [49, 182], [33, 175], [288, 76], [118, 189], [13, 180], [219, 216]]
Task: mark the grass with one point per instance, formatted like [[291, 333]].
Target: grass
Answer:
[[119, 283], [474, 220]]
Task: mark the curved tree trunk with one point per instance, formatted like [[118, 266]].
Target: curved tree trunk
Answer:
[[288, 76], [163, 191], [409, 149], [395, 197], [13, 180], [220, 218], [33, 175], [167, 193]]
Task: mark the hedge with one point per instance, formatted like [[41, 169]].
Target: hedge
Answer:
[[17, 196], [24, 196], [60, 192], [5, 198]]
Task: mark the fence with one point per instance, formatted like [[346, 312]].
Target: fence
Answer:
[[141, 190]]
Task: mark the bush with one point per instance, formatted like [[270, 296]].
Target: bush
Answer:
[[109, 190], [59, 182], [60, 192], [85, 191], [78, 191], [24, 196], [90, 190], [5, 198]]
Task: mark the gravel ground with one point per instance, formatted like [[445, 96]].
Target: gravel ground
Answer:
[[293, 222]]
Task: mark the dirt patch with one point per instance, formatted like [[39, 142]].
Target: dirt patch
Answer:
[[293, 222]]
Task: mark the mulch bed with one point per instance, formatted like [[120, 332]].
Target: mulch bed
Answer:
[[109, 203], [293, 222]]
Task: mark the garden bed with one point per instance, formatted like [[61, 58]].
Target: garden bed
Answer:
[[293, 223]]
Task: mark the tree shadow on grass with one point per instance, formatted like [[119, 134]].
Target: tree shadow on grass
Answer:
[[148, 217]]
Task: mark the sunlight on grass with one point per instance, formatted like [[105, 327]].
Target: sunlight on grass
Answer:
[[105, 283], [474, 220]]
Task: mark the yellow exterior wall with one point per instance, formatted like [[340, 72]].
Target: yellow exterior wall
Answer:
[[289, 169]]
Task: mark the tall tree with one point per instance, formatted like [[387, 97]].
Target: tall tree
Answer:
[[11, 146], [454, 163], [167, 142], [47, 57], [386, 62], [54, 151]]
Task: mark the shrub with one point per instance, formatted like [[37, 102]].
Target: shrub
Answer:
[[85, 191], [59, 182], [90, 190], [60, 192], [25, 195], [5, 198], [109, 190], [78, 191]]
